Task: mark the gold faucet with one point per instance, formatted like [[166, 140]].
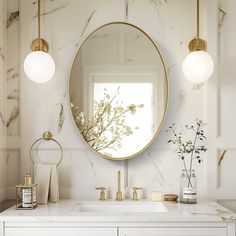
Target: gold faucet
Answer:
[[135, 194], [118, 193], [102, 193]]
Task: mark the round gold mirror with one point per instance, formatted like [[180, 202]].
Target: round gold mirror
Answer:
[[118, 90]]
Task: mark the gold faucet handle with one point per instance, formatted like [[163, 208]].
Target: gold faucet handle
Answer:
[[135, 193], [102, 196]]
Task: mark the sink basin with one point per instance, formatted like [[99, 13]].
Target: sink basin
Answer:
[[123, 207]]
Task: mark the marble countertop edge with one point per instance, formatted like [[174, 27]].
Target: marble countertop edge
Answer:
[[208, 211]]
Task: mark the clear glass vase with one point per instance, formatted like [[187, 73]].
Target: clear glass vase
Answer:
[[188, 187]]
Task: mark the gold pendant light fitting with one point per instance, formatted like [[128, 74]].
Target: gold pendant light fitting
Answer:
[[39, 44], [197, 44]]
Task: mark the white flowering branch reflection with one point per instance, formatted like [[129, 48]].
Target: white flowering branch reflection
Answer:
[[106, 129]]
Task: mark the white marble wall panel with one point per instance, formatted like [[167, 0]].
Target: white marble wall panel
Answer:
[[12, 79], [2, 98], [2, 176], [12, 172], [227, 69], [81, 172], [226, 109], [2, 67], [64, 25], [227, 169]]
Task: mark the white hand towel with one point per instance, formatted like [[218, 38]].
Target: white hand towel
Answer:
[[54, 186], [42, 175]]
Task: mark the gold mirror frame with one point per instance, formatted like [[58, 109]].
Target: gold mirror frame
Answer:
[[83, 40]]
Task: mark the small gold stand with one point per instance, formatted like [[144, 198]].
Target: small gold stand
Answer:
[[26, 195]]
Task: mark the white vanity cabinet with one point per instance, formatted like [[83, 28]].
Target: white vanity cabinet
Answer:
[[173, 232], [60, 231], [115, 231]]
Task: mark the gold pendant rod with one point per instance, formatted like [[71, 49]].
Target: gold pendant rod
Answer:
[[197, 44], [39, 44], [39, 23], [197, 23]]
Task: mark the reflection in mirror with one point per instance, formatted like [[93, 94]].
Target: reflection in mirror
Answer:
[[118, 90]]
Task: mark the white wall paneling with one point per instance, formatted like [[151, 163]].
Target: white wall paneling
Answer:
[[12, 178], [9, 99], [226, 95], [2, 176], [212, 96], [11, 149], [2, 98], [12, 79], [153, 168], [64, 25]]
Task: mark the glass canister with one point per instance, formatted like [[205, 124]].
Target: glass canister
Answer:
[[188, 187]]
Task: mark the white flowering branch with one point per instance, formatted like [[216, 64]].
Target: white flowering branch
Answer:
[[107, 127]]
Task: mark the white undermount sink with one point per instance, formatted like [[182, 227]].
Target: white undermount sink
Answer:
[[121, 207]]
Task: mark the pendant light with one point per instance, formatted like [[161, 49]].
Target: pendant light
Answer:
[[198, 66], [39, 65]]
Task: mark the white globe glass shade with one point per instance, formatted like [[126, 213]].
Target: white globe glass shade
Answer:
[[39, 66], [198, 66]]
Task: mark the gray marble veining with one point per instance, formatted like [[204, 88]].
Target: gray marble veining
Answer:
[[160, 177], [13, 116], [197, 86], [2, 53], [126, 3], [13, 76], [222, 16], [13, 17], [61, 117], [13, 72], [73, 42], [87, 22], [53, 10], [2, 118], [99, 36], [137, 37], [170, 68], [12, 97], [92, 166], [182, 99], [157, 4]]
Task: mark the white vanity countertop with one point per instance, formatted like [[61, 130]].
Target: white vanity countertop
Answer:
[[64, 211]]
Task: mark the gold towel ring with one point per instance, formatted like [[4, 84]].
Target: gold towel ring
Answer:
[[47, 136]]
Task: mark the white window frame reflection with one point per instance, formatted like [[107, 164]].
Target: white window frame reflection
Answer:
[[126, 74]]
